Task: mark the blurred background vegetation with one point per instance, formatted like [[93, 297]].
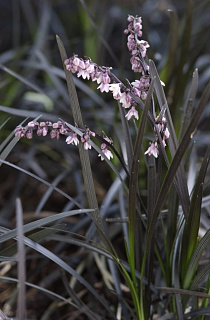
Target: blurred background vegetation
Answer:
[[32, 83]]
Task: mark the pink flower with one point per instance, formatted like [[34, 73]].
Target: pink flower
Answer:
[[115, 88], [54, 134], [126, 100], [143, 95], [86, 137], [105, 80], [29, 133], [131, 44], [107, 153], [153, 150], [105, 150], [19, 132], [132, 112], [83, 73], [104, 87], [143, 45], [98, 77], [72, 139], [78, 62], [166, 133], [87, 145], [136, 64], [33, 124]]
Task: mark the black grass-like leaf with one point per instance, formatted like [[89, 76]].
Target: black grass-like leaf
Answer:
[[84, 157]]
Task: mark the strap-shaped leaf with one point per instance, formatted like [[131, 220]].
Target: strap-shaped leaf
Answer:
[[84, 157], [189, 103], [180, 182], [170, 175], [54, 258], [134, 179], [39, 223], [190, 234], [200, 277], [8, 252], [192, 267]]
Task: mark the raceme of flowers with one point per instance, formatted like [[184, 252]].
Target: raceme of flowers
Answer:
[[59, 128], [153, 149], [108, 82]]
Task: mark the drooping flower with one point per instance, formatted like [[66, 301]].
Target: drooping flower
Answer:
[[132, 112], [126, 100], [105, 80], [115, 88], [107, 153], [72, 139], [105, 150], [153, 150]]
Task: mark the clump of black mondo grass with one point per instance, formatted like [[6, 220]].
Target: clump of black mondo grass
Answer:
[[140, 253]]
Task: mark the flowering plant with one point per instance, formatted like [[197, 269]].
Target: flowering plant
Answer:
[[128, 97], [175, 251]]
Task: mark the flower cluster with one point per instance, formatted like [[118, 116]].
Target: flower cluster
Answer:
[[138, 48], [108, 82], [89, 70], [164, 132], [42, 128], [59, 128]]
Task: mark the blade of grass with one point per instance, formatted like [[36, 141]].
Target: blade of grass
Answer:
[[50, 255], [21, 262], [173, 45], [105, 43], [190, 234], [77, 131], [37, 236], [41, 289], [126, 135], [29, 114], [184, 54], [200, 277], [181, 181], [49, 191], [11, 144], [41, 180], [41, 222], [176, 162], [189, 103], [196, 256], [71, 271], [3, 124], [133, 184], [84, 157], [183, 291]]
